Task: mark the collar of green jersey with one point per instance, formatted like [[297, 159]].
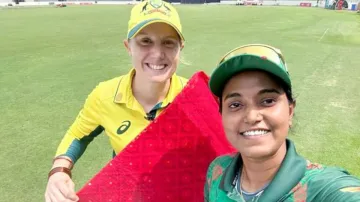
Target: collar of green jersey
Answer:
[[290, 173]]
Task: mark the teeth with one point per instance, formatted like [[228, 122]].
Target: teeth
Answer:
[[156, 67], [254, 132]]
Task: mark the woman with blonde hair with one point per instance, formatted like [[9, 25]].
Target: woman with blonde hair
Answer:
[[122, 107]]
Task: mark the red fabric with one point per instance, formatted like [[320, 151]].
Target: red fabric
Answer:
[[169, 159]]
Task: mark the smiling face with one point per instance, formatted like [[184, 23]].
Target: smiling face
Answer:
[[155, 52], [256, 114]]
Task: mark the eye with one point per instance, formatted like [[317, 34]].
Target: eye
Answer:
[[268, 102], [235, 105], [170, 43], [145, 41]]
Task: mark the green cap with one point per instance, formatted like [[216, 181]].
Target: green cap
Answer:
[[249, 57]]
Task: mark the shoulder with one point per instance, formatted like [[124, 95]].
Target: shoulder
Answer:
[[219, 164], [313, 169], [107, 89], [181, 80], [334, 175], [224, 159], [333, 184], [320, 174], [328, 172]]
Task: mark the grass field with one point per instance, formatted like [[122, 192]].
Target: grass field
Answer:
[[51, 58]]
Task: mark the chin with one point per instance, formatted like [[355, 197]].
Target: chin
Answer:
[[260, 151], [160, 78], [257, 152]]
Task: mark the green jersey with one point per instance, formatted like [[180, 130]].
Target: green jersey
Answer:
[[297, 180]]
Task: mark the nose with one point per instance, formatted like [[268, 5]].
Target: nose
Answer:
[[252, 116], [158, 51]]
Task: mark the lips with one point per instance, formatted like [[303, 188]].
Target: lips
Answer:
[[155, 66], [257, 132]]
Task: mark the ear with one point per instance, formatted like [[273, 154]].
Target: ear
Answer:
[[291, 112], [182, 45], [127, 46]]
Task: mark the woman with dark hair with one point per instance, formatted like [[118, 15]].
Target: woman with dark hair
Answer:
[[257, 109]]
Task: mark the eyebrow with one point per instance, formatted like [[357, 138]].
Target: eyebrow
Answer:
[[263, 91], [231, 95], [271, 90], [142, 34], [171, 37]]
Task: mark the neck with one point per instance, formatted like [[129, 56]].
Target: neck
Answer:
[[149, 94], [256, 173]]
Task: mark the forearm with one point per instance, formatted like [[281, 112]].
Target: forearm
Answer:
[[85, 128], [75, 142]]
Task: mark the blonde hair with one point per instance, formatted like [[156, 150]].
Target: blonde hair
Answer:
[[184, 61]]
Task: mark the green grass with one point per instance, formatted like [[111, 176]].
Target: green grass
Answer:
[[51, 58]]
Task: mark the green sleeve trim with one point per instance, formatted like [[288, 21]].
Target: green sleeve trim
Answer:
[[77, 147]]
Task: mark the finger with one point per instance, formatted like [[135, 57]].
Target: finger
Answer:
[[52, 197], [69, 200], [68, 191], [56, 195], [72, 190], [71, 184], [47, 198]]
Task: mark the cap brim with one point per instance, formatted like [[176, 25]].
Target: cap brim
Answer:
[[145, 23], [238, 64]]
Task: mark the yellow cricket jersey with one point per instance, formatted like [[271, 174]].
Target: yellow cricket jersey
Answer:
[[111, 107]]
